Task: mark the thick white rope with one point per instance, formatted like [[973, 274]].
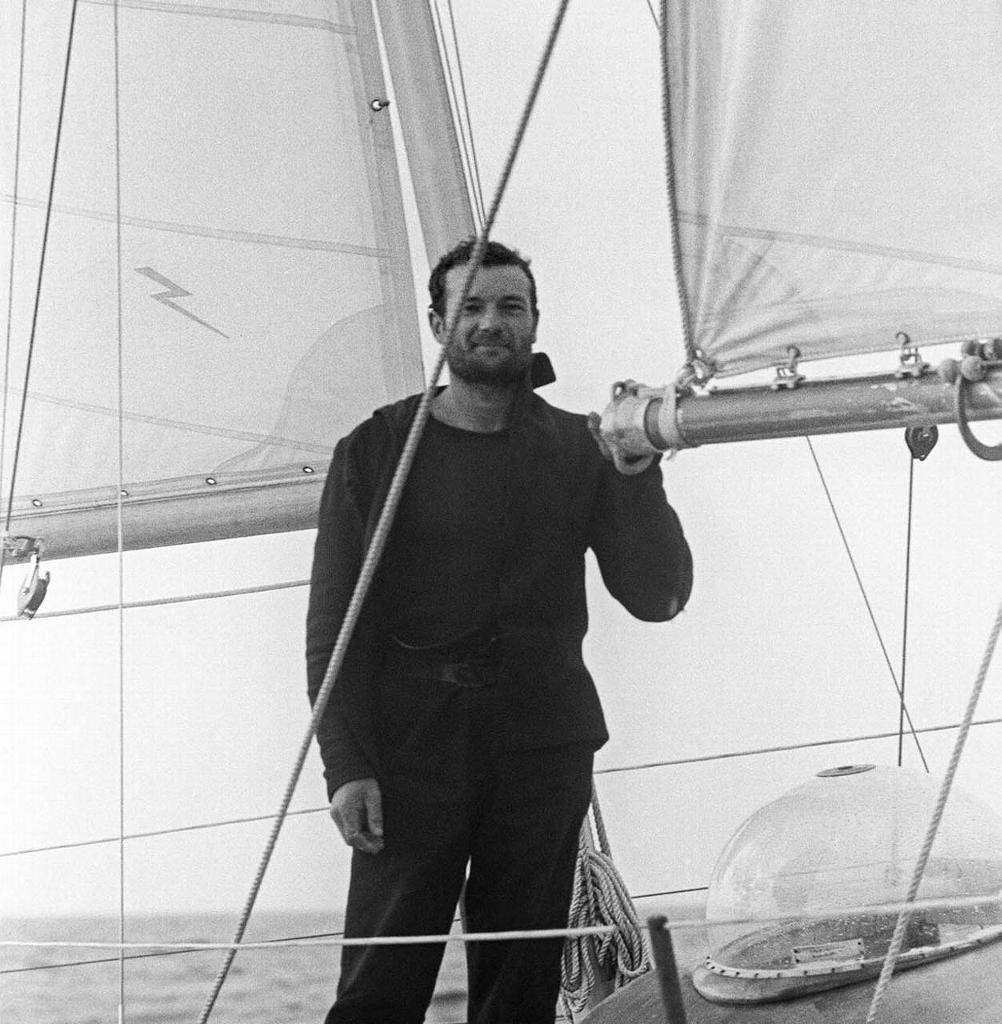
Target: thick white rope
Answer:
[[385, 940], [681, 924], [899, 929], [381, 533]]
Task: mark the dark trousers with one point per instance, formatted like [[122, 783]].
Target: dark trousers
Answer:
[[451, 799]]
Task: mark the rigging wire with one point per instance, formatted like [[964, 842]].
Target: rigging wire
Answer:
[[381, 532], [866, 601], [904, 915], [620, 769], [119, 526], [466, 105], [904, 613], [159, 602], [458, 107], [13, 253], [654, 16], [38, 286]]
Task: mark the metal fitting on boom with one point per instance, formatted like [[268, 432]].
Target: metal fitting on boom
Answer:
[[639, 421]]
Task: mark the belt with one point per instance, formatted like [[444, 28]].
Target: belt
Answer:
[[472, 660]]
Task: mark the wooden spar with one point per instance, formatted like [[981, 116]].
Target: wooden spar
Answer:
[[642, 418]]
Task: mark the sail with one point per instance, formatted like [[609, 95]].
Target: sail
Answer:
[[834, 169], [226, 239]]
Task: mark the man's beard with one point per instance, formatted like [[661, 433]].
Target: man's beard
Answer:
[[465, 365]]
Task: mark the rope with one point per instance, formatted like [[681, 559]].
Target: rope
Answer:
[[13, 250], [286, 938], [38, 285], [866, 601], [691, 354], [958, 748], [598, 771], [462, 110], [600, 897], [383, 940], [466, 105], [158, 602], [381, 533], [755, 752], [681, 924]]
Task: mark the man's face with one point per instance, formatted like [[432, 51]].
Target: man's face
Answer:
[[496, 328]]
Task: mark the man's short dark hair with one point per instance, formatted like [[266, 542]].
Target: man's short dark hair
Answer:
[[495, 255]]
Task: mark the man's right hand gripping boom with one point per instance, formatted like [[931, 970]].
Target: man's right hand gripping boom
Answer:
[[357, 810]]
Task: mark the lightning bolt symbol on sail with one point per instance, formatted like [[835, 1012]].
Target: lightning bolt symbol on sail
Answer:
[[174, 291]]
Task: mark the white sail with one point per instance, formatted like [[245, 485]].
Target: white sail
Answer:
[[257, 227], [834, 167]]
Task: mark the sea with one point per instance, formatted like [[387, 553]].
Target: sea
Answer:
[[282, 985]]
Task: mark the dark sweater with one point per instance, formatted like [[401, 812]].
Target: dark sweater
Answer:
[[563, 498]]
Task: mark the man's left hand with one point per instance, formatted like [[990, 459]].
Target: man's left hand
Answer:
[[628, 465]]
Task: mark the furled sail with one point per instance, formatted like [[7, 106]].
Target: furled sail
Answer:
[[835, 170], [256, 226]]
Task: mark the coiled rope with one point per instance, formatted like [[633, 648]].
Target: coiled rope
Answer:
[[899, 928], [381, 533], [600, 898]]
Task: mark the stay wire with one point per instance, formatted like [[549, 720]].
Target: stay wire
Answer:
[[866, 601], [13, 255], [38, 286], [904, 915], [119, 525], [904, 613], [619, 769], [461, 121], [478, 187], [380, 535]]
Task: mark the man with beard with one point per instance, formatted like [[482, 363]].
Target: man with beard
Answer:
[[461, 729]]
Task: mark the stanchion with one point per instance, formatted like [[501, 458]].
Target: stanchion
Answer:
[[667, 968]]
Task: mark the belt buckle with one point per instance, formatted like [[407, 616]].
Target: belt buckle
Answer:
[[469, 676]]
